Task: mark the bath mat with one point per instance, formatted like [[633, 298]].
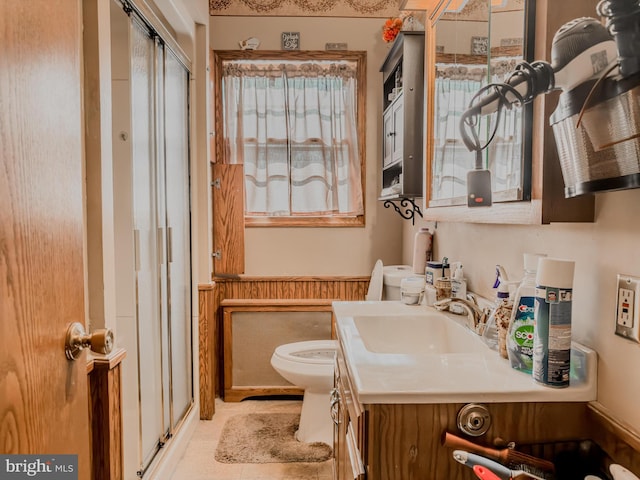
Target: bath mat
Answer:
[[267, 438]]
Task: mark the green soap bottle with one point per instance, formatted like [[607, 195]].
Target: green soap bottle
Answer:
[[520, 335]]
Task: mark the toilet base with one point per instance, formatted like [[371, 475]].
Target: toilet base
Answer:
[[316, 424]]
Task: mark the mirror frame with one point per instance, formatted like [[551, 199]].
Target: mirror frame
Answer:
[[460, 207]]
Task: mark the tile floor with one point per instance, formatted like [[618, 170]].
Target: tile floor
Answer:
[[199, 463]]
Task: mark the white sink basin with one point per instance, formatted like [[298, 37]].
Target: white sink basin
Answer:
[[426, 334], [398, 353]]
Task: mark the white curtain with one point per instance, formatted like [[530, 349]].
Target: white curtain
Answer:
[[455, 86], [506, 150], [293, 126]]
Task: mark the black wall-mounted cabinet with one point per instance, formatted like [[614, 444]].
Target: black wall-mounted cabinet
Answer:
[[403, 117]]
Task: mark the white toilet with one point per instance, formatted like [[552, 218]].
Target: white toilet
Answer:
[[310, 365]]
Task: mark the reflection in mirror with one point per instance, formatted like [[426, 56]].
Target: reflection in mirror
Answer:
[[477, 42]]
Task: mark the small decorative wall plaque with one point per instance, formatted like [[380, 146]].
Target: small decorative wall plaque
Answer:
[[250, 43], [479, 45], [290, 41], [335, 46], [511, 42]]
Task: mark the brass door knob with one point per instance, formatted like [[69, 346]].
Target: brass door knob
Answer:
[[474, 419], [100, 341]]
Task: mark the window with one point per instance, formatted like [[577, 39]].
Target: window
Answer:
[[295, 121]]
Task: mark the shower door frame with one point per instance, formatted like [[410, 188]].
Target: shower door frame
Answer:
[[151, 418]]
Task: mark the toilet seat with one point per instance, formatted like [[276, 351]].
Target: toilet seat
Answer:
[[316, 352]]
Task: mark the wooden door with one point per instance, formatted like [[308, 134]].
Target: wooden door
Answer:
[[43, 396], [228, 219]]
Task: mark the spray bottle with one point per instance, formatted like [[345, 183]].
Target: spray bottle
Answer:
[[520, 334], [495, 332]]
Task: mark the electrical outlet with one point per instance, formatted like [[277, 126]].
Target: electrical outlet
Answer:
[[628, 307]]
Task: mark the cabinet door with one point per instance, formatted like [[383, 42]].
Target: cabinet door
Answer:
[[389, 138], [398, 129], [347, 429], [344, 465]]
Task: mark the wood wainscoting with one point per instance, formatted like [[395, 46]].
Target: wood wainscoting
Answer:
[[615, 437], [347, 288], [207, 348], [105, 415]]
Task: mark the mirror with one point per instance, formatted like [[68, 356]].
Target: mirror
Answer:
[[477, 42]]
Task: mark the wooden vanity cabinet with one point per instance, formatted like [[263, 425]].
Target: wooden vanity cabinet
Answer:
[[349, 432], [403, 441]]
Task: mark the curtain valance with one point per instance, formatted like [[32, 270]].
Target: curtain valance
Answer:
[[250, 68]]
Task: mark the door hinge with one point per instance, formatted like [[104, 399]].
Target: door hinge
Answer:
[[217, 254], [216, 183]]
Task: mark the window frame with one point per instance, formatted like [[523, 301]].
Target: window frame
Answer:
[[360, 57]]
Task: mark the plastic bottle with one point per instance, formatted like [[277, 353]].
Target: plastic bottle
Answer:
[[421, 250], [412, 290], [436, 270], [520, 334], [500, 311], [458, 287]]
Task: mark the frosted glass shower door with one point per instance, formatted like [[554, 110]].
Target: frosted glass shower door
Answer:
[[176, 106], [152, 225], [148, 242]]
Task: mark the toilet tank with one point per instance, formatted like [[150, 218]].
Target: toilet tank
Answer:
[[392, 275]]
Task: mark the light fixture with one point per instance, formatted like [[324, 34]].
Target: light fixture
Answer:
[[499, 3]]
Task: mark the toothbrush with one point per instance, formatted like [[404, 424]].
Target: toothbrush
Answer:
[[502, 472]]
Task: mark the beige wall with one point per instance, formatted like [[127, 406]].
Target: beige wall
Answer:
[[601, 249], [320, 251]]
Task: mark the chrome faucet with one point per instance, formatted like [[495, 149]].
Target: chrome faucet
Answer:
[[476, 316]]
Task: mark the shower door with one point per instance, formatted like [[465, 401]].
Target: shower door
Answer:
[[152, 218]]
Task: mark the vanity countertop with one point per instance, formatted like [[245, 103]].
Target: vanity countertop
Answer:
[[397, 353]]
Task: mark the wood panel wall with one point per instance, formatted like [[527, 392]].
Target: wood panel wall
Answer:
[[615, 437], [294, 287], [207, 348], [345, 288], [105, 416]]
